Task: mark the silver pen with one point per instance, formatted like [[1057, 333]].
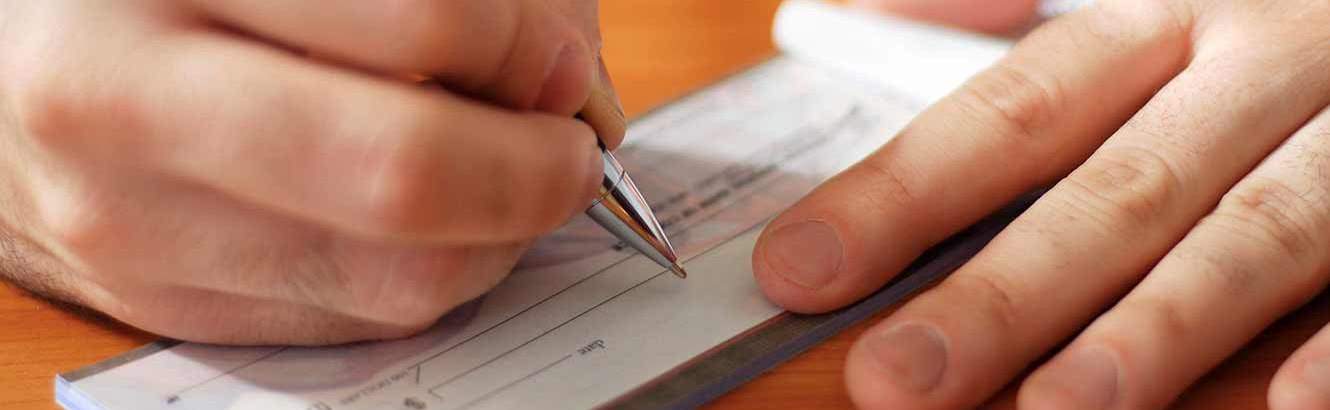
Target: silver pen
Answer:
[[621, 209]]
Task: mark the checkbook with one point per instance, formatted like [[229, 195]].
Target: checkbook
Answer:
[[586, 322]]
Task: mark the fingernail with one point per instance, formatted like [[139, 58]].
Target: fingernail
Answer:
[[1317, 375], [1085, 379], [568, 83], [605, 85], [912, 356], [808, 253], [603, 111]]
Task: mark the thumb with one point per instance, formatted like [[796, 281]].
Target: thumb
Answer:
[[991, 16]]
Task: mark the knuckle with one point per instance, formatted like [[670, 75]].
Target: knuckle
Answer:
[[45, 112], [401, 195], [78, 225], [1014, 100], [1225, 268], [1163, 319], [50, 110], [1274, 213], [884, 185], [998, 297], [1121, 188]]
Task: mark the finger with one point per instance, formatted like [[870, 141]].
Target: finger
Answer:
[[1303, 382], [191, 294], [1095, 233], [994, 16], [116, 230], [412, 286], [603, 112], [519, 52], [1262, 252], [239, 320], [1037, 113], [367, 156]]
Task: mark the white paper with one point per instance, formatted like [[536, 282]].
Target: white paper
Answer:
[[583, 321], [918, 59]]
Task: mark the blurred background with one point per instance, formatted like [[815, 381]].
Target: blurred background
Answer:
[[658, 50]]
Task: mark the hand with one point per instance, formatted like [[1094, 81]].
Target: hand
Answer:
[[1188, 148], [266, 172]]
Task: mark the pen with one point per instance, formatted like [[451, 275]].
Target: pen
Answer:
[[621, 209]]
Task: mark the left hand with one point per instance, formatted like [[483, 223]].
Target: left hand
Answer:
[[1189, 141]]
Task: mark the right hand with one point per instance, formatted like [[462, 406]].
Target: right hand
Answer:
[[257, 172]]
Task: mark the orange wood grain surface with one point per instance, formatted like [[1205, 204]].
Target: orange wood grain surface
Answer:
[[657, 50]]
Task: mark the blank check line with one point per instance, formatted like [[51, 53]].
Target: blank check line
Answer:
[[495, 392], [616, 263], [516, 315], [570, 320], [542, 334]]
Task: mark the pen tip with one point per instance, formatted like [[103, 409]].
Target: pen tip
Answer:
[[678, 271]]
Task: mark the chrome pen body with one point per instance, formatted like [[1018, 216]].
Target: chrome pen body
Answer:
[[621, 209]]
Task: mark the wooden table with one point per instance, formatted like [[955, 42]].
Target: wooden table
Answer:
[[657, 49]]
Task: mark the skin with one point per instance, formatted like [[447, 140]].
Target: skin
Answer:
[[258, 172], [269, 172], [1187, 144]]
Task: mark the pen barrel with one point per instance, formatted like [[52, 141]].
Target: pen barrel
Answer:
[[614, 175], [621, 210]]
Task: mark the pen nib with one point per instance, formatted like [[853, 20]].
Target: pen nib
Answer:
[[678, 271]]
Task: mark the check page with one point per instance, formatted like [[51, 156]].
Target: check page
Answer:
[[583, 319]]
